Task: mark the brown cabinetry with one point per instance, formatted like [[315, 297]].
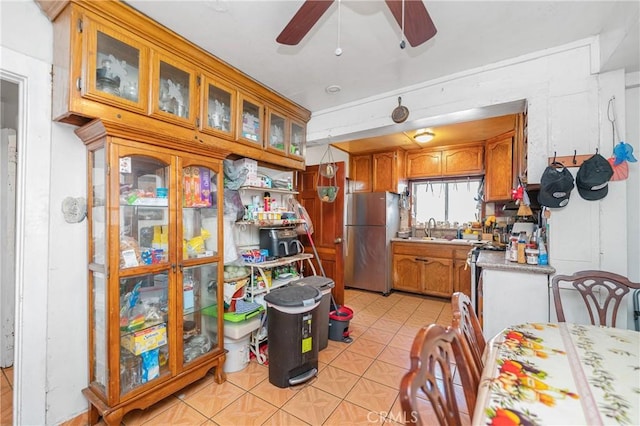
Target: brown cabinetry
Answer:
[[113, 63], [499, 175], [461, 277], [424, 164], [434, 269], [468, 160], [464, 160], [377, 172], [360, 171], [155, 269]]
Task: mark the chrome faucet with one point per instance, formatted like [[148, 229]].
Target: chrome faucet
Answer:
[[429, 228]]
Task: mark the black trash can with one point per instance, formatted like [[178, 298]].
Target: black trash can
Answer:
[[292, 332], [324, 285]]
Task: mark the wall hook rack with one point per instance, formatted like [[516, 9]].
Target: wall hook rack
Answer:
[[574, 160]]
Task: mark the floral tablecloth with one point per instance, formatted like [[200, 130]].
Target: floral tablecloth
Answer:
[[560, 374]]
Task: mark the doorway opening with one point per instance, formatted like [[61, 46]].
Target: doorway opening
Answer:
[[9, 107]]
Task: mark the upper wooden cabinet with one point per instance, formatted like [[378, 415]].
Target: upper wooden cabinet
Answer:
[[297, 139], [250, 120], [360, 171], [277, 132], [114, 63], [111, 67], [424, 164], [468, 160], [499, 177], [174, 94], [220, 105], [464, 160], [377, 172]]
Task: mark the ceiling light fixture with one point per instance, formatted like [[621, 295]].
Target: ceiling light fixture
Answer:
[[424, 136], [333, 89]]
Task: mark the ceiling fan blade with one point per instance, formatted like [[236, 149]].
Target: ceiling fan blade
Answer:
[[418, 26], [302, 22]]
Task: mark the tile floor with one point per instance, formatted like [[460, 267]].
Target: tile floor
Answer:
[[357, 382], [6, 396]]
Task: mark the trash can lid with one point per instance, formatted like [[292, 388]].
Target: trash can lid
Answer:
[[316, 281], [294, 296]]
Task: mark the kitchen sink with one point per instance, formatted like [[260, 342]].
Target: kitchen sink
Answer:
[[441, 240]]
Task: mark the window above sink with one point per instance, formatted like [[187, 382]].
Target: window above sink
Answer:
[[448, 201]]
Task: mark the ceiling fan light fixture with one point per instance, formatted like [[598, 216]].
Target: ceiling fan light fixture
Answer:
[[424, 136]]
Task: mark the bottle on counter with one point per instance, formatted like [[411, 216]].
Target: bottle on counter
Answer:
[[513, 248], [543, 257], [522, 245]]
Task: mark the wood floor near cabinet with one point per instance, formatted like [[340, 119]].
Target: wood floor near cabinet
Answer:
[[357, 383]]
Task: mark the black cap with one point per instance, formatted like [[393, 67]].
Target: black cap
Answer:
[[555, 187], [593, 177]]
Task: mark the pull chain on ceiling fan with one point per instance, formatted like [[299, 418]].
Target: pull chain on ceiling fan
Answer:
[[338, 48], [417, 28], [402, 43]]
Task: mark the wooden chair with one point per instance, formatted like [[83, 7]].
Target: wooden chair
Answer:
[[601, 291], [433, 351], [466, 323]]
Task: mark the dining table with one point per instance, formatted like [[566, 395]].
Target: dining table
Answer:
[[560, 374]]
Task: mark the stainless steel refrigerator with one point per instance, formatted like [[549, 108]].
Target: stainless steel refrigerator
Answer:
[[373, 218]]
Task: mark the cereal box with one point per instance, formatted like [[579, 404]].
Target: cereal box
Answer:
[[187, 188]]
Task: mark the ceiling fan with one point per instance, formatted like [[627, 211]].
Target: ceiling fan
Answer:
[[417, 25]]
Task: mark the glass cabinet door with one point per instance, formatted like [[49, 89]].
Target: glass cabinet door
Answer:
[[199, 260], [277, 132], [117, 68], [219, 108], [297, 139], [97, 202], [199, 311], [250, 121], [174, 91], [144, 211], [144, 325]]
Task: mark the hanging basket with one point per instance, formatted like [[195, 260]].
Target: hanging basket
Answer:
[[326, 184], [328, 194]]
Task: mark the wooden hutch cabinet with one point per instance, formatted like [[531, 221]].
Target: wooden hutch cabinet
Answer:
[[155, 267], [112, 62]]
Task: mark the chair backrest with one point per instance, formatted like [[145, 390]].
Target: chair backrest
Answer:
[[434, 350], [467, 325], [601, 292]]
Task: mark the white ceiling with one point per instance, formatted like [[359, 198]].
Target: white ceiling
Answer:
[[470, 34]]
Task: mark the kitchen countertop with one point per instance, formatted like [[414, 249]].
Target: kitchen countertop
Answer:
[[420, 240], [495, 260]]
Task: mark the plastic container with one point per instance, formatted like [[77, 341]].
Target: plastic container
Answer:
[[532, 256], [237, 355]]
